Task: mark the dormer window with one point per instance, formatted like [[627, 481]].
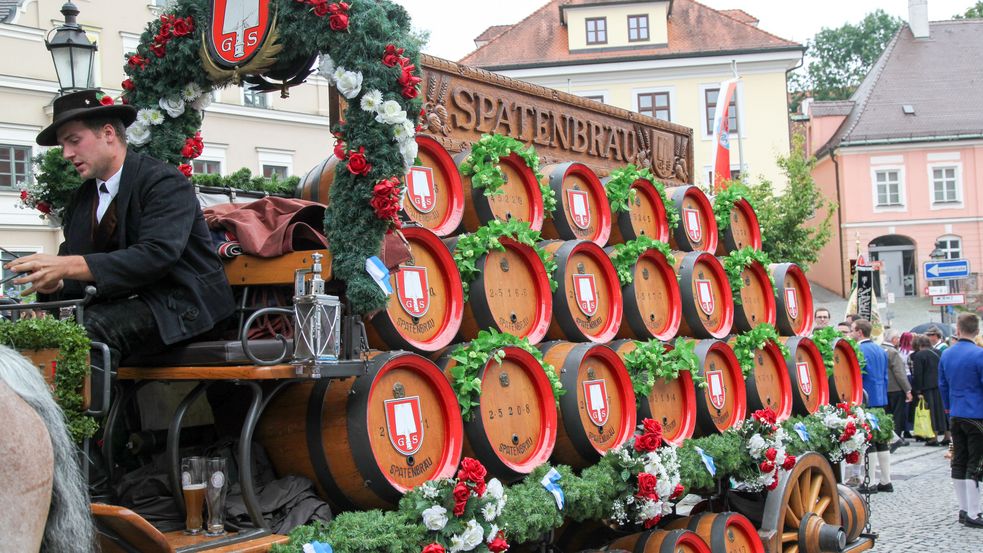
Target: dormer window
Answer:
[[597, 30], [638, 28]]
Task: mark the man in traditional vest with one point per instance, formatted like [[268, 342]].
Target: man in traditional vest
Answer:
[[134, 230]]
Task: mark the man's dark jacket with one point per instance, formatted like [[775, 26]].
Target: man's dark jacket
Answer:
[[163, 251]]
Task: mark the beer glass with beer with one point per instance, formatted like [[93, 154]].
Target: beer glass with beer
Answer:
[[215, 492], [193, 486]]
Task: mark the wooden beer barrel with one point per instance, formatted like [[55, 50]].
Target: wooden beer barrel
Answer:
[[520, 198], [793, 299], [854, 512], [513, 429], [726, 532], [587, 304], [671, 402], [584, 213], [512, 293], [723, 402], [757, 299], [807, 373], [597, 412], [425, 310], [768, 385], [697, 229], [743, 231], [707, 302], [316, 184], [365, 441], [846, 384], [646, 216], [652, 301], [662, 541]]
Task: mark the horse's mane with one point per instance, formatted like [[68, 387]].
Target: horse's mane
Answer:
[[69, 527]]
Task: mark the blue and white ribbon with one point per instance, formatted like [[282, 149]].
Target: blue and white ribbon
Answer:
[[379, 273], [707, 461], [317, 547], [873, 421], [801, 430], [551, 483]]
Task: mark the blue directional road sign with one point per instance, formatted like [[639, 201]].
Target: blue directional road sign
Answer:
[[950, 268]]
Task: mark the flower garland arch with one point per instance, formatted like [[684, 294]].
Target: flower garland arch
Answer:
[[366, 52]]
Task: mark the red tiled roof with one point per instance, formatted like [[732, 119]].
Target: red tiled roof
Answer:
[[694, 29], [492, 32], [741, 15]]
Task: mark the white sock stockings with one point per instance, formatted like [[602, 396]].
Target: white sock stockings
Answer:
[[960, 487], [972, 498], [884, 462]]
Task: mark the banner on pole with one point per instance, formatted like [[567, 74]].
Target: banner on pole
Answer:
[[721, 134]]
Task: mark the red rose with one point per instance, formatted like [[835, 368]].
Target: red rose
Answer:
[[646, 442], [23, 195], [471, 469], [771, 454], [461, 495], [853, 457], [186, 169], [339, 150], [767, 466], [392, 55], [773, 484], [183, 26], [165, 33], [106, 100], [646, 486], [677, 493], [338, 22], [433, 547], [765, 415], [43, 207], [357, 163], [320, 8], [789, 462], [188, 151], [137, 60], [652, 521], [498, 544], [652, 425], [843, 405], [128, 85], [158, 49], [479, 486], [410, 92]]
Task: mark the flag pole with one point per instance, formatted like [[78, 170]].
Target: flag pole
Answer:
[[740, 127]]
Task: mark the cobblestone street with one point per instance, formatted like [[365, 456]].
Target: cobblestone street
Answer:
[[920, 516]]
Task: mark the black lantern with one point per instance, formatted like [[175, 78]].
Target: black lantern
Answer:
[[72, 52]]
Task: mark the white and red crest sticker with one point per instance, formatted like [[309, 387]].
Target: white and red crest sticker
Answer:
[[420, 188], [404, 422], [412, 289], [704, 295], [792, 303], [691, 221], [596, 399], [715, 388], [585, 291], [805, 381], [579, 208], [238, 29]]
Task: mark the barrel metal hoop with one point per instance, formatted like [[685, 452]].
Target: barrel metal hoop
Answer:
[[686, 268], [478, 300], [315, 445], [563, 228], [718, 532], [569, 406]]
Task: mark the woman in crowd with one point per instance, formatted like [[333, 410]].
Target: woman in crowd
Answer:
[[925, 384]]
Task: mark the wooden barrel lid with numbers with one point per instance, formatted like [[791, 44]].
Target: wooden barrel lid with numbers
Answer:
[[671, 402], [768, 385], [425, 310], [652, 302], [807, 372], [707, 301], [723, 402], [697, 229], [587, 303], [513, 428], [583, 212], [366, 441], [757, 298], [511, 294], [646, 216], [597, 412], [743, 231], [434, 193], [519, 199], [846, 384], [793, 300], [662, 541]]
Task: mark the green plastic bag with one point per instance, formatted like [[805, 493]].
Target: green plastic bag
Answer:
[[923, 421]]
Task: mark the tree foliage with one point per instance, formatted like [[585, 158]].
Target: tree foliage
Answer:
[[788, 221], [974, 12], [839, 59]]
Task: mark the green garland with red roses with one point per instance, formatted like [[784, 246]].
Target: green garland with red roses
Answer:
[[367, 53]]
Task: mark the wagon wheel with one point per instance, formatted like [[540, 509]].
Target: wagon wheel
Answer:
[[802, 515]]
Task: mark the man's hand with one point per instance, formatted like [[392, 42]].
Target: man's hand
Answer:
[[46, 273], [908, 397]]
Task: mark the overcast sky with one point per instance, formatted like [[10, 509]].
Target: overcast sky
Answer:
[[452, 30]]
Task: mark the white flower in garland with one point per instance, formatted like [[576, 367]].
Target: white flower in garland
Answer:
[[409, 150], [391, 113], [429, 490], [489, 511], [173, 106], [202, 102], [371, 101], [349, 83], [649, 509], [435, 518], [150, 116], [492, 533], [138, 134], [326, 67], [472, 537], [404, 131], [495, 489], [757, 445], [190, 92]]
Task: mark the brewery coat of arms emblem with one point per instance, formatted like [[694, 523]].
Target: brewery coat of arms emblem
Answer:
[[704, 294], [715, 388], [805, 381], [404, 423], [412, 290], [237, 31], [585, 291], [579, 208], [694, 228], [420, 189], [792, 303], [596, 400]]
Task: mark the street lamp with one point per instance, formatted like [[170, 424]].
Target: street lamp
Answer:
[[938, 254], [72, 52]]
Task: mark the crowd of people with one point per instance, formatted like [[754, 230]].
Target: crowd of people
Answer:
[[907, 369]]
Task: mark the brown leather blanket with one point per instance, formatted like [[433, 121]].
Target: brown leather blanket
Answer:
[[272, 226]]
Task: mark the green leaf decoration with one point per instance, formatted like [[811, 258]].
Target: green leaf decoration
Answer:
[[620, 193], [650, 361], [481, 165], [746, 344], [471, 358], [737, 261], [73, 363], [243, 179], [470, 248], [825, 337], [626, 255], [723, 203]]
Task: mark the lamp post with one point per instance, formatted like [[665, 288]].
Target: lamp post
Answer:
[[72, 52], [938, 254]]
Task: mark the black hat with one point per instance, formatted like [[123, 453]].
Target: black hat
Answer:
[[84, 104]]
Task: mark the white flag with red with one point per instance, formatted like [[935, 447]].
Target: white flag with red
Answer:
[[721, 134]]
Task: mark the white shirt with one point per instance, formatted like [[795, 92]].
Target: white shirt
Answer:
[[107, 193]]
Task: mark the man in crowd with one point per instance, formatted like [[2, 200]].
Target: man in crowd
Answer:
[[934, 334], [875, 384], [961, 384], [844, 328], [822, 317], [898, 386]]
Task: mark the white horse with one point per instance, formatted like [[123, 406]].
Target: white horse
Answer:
[[44, 505]]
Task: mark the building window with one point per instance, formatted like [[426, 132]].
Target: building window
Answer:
[[638, 28], [945, 189], [888, 185], [15, 165], [278, 171], [951, 246], [207, 167], [595, 97], [597, 30], [255, 99], [654, 104], [710, 95]]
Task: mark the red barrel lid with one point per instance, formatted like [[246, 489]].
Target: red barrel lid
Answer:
[[697, 228], [757, 296], [707, 300], [724, 401], [584, 213], [434, 192], [793, 297], [518, 199], [847, 380], [807, 372], [587, 304], [652, 301]]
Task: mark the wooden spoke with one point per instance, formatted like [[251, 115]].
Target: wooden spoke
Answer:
[[790, 536], [791, 521], [823, 504], [805, 485], [794, 548], [817, 484], [795, 500]]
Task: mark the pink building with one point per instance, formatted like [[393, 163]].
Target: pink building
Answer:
[[903, 158]]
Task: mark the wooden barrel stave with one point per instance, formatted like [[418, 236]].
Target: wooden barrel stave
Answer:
[[793, 300], [652, 301], [646, 216], [757, 304], [580, 440], [744, 230], [807, 373], [726, 532], [582, 211], [335, 432], [571, 321], [662, 541], [316, 184], [703, 281], [520, 198], [723, 402], [846, 384], [854, 512], [697, 229]]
